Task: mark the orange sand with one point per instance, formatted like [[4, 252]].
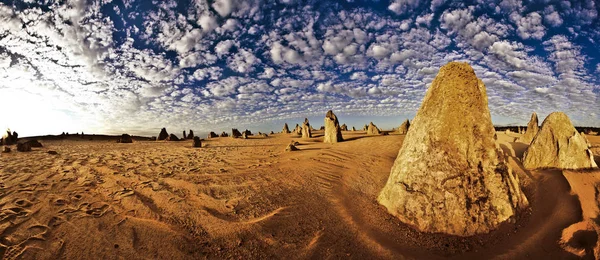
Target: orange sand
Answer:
[[249, 199]]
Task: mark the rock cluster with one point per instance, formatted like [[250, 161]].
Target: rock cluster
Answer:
[[450, 176], [558, 145], [223, 134], [191, 134], [235, 133], [213, 135]]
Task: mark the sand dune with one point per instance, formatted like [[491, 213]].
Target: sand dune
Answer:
[[247, 198]]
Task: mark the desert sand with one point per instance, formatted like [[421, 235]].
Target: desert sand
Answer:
[[249, 199]]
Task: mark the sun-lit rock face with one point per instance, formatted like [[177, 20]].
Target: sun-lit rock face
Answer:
[[333, 131], [372, 129], [532, 129], [558, 145], [450, 176], [306, 129]]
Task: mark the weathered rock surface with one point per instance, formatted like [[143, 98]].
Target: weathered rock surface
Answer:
[[558, 145], [372, 129], [196, 142], [403, 129], [532, 130], [163, 135], [306, 132], [333, 131], [450, 176]]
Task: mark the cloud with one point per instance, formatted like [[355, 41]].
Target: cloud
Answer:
[[227, 63]]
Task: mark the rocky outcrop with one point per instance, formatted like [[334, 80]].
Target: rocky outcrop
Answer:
[[366, 127], [306, 132], [235, 133], [184, 136], [34, 143], [125, 138], [372, 129], [212, 135], [298, 130], [285, 129], [23, 147], [191, 134], [532, 130], [244, 135], [196, 142], [344, 127], [291, 147], [353, 129], [403, 129], [172, 137], [558, 145], [163, 135], [333, 131], [223, 134], [450, 176]]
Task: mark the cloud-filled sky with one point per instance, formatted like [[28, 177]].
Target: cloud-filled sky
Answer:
[[114, 66]]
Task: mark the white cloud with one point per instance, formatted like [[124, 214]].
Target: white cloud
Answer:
[[531, 26]]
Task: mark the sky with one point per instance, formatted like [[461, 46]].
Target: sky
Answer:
[[136, 66]]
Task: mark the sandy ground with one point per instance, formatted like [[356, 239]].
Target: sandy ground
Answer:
[[248, 199]]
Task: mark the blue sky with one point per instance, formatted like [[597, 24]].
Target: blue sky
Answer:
[[136, 66]]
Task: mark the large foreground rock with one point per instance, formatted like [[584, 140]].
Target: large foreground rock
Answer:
[[403, 129], [450, 176], [333, 131], [532, 129], [558, 145]]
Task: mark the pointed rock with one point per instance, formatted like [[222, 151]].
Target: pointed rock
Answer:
[[532, 129], [190, 134], [235, 133], [172, 137], [403, 129], [344, 127], [333, 131], [372, 129], [285, 129], [184, 135], [306, 132], [558, 145], [163, 135], [450, 176]]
